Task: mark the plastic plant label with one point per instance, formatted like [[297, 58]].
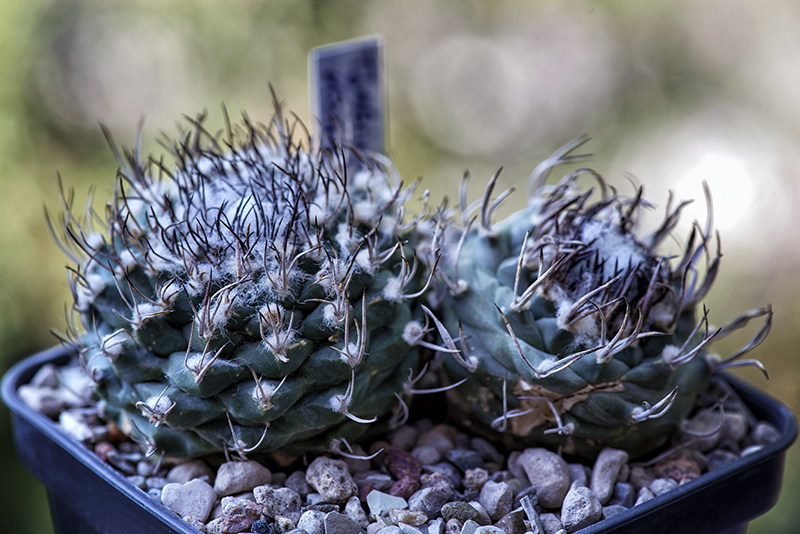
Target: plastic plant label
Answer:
[[347, 94]]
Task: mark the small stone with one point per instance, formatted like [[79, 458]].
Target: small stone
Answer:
[[312, 521], [409, 517], [474, 479], [489, 529], [196, 523], [436, 480], [358, 465], [679, 466], [577, 473], [750, 450], [461, 511], [604, 473], [75, 424], [404, 488], [430, 500], [426, 454], [640, 477], [465, 459], [331, 479], [402, 464], [408, 529], [551, 524], [529, 492], [323, 507], [42, 399], [514, 468], [470, 527], [155, 494], [624, 473], [238, 515], [336, 523], [612, 510], [297, 483], [105, 449], [183, 473], [718, 458], [261, 526], [355, 511], [765, 433], [404, 437], [662, 485], [511, 523], [435, 438], [548, 473], [390, 529], [624, 495], [380, 503], [453, 526], [378, 481], [448, 470], [195, 498], [518, 485], [496, 498], [705, 430], [282, 502], [236, 477], [581, 508], [483, 516], [734, 426], [644, 495], [315, 498], [45, 377], [436, 526], [487, 450]]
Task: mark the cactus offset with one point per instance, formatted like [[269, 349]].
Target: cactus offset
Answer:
[[573, 330], [252, 298]]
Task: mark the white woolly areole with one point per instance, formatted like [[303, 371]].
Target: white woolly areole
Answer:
[[669, 353], [158, 404], [113, 345], [413, 332], [86, 294], [616, 249], [393, 290], [144, 311]]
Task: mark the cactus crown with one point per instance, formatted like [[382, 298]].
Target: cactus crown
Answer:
[[256, 291]]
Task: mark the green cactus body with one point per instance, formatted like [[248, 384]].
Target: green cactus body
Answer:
[[253, 298], [574, 332]]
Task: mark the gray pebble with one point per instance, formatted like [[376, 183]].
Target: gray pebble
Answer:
[[751, 449], [336, 523], [644, 495], [196, 523], [331, 479], [426, 454], [75, 424], [282, 502], [514, 468], [734, 426], [380, 503], [487, 450], [436, 526], [581, 508], [236, 477], [496, 498], [378, 481], [155, 494], [46, 377], [662, 485], [312, 521], [765, 433], [624, 495], [314, 499], [408, 529], [42, 399], [453, 526], [404, 437], [605, 471], [705, 429], [447, 469], [551, 524], [461, 511], [297, 482], [470, 527], [640, 477], [548, 473], [435, 438], [430, 500], [474, 479], [195, 498], [718, 458], [577, 473], [409, 517], [489, 529], [465, 459], [358, 465], [483, 517], [390, 529], [612, 510], [183, 473], [355, 511], [624, 473], [529, 492]]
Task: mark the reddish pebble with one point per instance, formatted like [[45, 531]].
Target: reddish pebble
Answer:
[[401, 464], [104, 449], [679, 466], [405, 488]]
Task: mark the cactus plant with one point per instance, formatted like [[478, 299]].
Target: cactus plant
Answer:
[[254, 297], [574, 330]]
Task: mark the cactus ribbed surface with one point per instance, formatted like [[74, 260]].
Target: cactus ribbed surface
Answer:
[[253, 297], [573, 330]]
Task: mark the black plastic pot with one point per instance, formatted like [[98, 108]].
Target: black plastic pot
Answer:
[[88, 496]]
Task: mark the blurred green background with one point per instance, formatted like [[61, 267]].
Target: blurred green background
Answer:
[[673, 91]]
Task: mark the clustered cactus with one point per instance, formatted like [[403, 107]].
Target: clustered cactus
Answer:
[[253, 297], [573, 330], [261, 296]]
